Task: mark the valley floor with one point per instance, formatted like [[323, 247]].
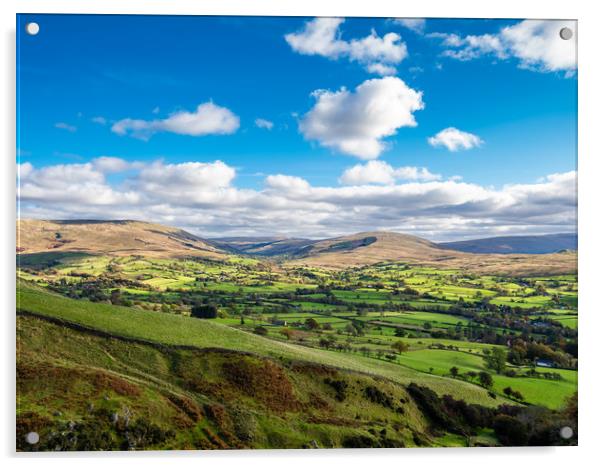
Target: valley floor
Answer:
[[302, 357]]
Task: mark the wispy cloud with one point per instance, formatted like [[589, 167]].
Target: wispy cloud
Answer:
[[415, 24], [263, 123], [65, 126]]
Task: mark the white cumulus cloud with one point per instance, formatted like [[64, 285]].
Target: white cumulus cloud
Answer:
[[379, 172], [322, 36], [110, 164], [355, 123], [208, 118], [454, 140], [536, 44], [66, 184], [286, 182], [189, 176], [202, 197]]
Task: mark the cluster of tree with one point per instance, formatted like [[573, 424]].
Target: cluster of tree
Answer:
[[204, 311], [544, 375], [98, 289], [512, 425], [524, 351], [514, 394], [495, 359], [482, 378]]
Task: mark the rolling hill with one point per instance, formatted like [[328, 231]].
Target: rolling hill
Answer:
[[117, 238], [373, 247], [127, 238], [534, 244]]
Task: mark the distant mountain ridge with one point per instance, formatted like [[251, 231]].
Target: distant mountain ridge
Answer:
[[527, 244], [380, 247], [127, 238]]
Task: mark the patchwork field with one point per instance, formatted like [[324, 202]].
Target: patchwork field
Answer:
[[430, 335]]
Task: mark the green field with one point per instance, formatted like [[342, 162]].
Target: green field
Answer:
[[550, 393], [351, 322]]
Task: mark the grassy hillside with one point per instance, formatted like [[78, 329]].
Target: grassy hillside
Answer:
[[265, 246], [86, 392], [178, 330], [118, 238]]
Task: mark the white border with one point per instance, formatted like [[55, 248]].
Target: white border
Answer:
[[590, 198]]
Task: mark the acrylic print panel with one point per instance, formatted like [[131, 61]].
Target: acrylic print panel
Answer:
[[269, 232]]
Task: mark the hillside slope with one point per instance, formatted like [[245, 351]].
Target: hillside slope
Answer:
[[373, 247], [118, 238], [534, 244], [89, 392], [170, 329], [265, 246]]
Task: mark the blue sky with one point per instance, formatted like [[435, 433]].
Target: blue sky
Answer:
[[489, 79]]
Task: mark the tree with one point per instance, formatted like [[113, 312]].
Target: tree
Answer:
[[204, 311], [115, 297], [400, 332], [259, 330], [485, 379], [400, 346], [454, 371], [496, 360], [325, 343], [312, 324], [287, 332]]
